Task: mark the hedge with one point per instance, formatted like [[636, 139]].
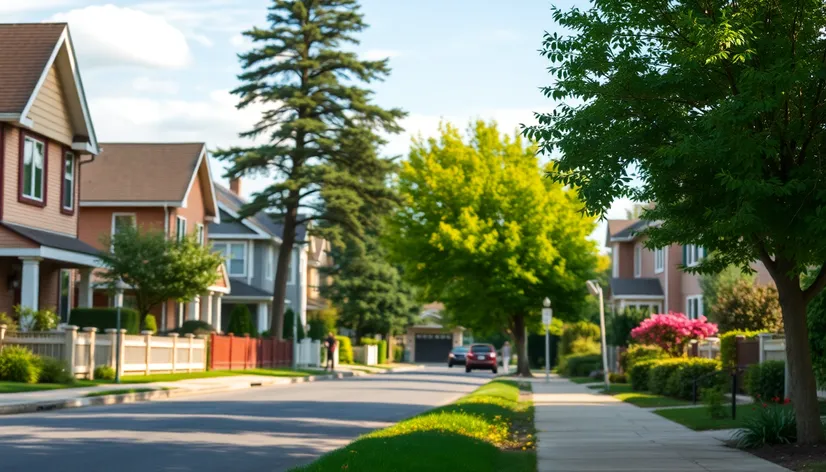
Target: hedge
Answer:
[[638, 374], [660, 374], [766, 381], [345, 350], [573, 335], [640, 352], [581, 365], [195, 327], [382, 352], [106, 318], [728, 346], [368, 342], [681, 382]]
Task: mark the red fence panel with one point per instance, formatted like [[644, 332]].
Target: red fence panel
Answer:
[[234, 352]]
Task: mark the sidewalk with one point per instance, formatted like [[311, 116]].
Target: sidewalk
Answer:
[[580, 430]]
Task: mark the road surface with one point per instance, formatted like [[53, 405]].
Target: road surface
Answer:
[[260, 429]]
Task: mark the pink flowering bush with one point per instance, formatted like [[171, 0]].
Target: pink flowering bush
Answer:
[[672, 332]]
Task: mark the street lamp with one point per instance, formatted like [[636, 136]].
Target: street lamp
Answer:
[[596, 290], [547, 315]]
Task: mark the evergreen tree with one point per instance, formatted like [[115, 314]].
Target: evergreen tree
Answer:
[[315, 105]]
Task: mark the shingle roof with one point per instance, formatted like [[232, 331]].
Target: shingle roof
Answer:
[[242, 289], [260, 219], [129, 172], [26, 49], [629, 287], [54, 240], [631, 230]]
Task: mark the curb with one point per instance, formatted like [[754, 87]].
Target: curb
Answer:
[[125, 398]]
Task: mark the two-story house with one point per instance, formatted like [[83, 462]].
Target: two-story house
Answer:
[[153, 186], [250, 246], [46, 141], [653, 279]]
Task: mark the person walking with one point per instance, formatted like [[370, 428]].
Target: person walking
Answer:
[[330, 344], [506, 356]]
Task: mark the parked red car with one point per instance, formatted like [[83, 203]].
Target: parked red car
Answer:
[[481, 356]]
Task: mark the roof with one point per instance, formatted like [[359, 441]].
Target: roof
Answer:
[[626, 230], [54, 240], [243, 289], [638, 287], [27, 49], [262, 219]]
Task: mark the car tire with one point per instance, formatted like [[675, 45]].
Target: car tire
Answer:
[[494, 370], [467, 369]]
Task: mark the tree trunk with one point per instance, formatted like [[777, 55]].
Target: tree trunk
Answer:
[[520, 337], [799, 360], [282, 272]]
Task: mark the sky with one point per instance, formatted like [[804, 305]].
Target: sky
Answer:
[[163, 70]]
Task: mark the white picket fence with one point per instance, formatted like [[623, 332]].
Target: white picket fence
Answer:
[[308, 353], [139, 354], [367, 355]]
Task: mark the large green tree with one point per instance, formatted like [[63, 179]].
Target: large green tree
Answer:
[[718, 110], [314, 99], [481, 231]]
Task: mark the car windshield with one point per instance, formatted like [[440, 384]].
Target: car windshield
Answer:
[[480, 349], [459, 350]]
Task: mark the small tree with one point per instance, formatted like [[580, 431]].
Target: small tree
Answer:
[[744, 306], [620, 325], [158, 268], [240, 321], [672, 332]]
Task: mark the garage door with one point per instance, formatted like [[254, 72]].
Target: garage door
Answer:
[[433, 347]]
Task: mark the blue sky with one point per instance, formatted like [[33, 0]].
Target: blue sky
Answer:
[[161, 70]]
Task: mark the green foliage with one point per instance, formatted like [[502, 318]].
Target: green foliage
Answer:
[[328, 318], [368, 342], [382, 352], [54, 371], [728, 346], [616, 378], [289, 316], [766, 381], [345, 350], [639, 372], [317, 330], [640, 352], [106, 318], [713, 399], [580, 365], [398, 353], [104, 372], [240, 321], [149, 324], [11, 323], [773, 424], [18, 364], [816, 321], [744, 306], [575, 336], [712, 284], [618, 331], [195, 327], [705, 371], [35, 320], [660, 374], [158, 268]]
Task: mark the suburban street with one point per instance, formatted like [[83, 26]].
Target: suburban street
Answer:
[[261, 429]]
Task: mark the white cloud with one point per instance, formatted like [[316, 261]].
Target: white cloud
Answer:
[[110, 35], [144, 84], [379, 54], [241, 42], [12, 6]]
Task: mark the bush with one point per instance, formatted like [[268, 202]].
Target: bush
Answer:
[[149, 324], [728, 346], [55, 371], [640, 352], [327, 317], [581, 365], [104, 372], [746, 306], [106, 318], [660, 374], [766, 381], [240, 321], [196, 327], [318, 329], [672, 332], [345, 350], [368, 342], [11, 323], [18, 364], [36, 320], [288, 325], [571, 332], [398, 353], [615, 378], [713, 399], [638, 374], [773, 424], [382, 352], [620, 325], [706, 371]]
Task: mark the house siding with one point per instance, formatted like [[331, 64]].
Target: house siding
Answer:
[[49, 217], [626, 260], [96, 222], [675, 298], [194, 211], [49, 111], [10, 239]]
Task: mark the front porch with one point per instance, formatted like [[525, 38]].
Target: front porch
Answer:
[[639, 293]]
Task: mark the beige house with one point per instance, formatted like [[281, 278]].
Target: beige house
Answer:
[[430, 341]]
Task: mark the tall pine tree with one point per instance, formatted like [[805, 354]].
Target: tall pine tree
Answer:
[[315, 99]]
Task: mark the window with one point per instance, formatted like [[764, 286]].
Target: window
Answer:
[[650, 308], [694, 306], [180, 228], [270, 256], [65, 300], [235, 255], [34, 164], [659, 260], [693, 255], [199, 232], [123, 220], [637, 260], [68, 185], [615, 252]]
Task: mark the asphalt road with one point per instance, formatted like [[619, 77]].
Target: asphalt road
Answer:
[[260, 429]]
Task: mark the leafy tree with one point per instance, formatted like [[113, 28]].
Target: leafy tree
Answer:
[[156, 267], [745, 306], [717, 109], [315, 107], [712, 284], [620, 325], [481, 231]]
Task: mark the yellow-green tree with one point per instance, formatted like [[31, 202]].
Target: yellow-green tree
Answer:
[[481, 231]]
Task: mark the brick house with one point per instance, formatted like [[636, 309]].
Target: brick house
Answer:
[[154, 186], [46, 140]]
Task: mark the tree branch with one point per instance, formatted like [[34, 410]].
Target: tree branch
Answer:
[[818, 285]]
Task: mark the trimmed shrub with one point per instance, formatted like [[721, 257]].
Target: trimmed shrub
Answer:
[[54, 371], [318, 329], [18, 364], [149, 324], [240, 321], [382, 352], [398, 354], [728, 346], [638, 374], [713, 399], [345, 350], [288, 325], [581, 365], [615, 378], [572, 332], [660, 374], [680, 384], [104, 372], [766, 381], [195, 327], [640, 352], [368, 342], [106, 318]]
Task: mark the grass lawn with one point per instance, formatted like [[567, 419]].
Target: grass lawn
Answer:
[[814, 467], [18, 387], [138, 379], [698, 419], [642, 399], [582, 380], [118, 392], [488, 430]]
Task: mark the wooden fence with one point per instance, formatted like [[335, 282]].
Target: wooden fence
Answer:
[[236, 353]]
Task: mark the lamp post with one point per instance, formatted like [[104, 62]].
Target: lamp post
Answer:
[[596, 290], [547, 315]]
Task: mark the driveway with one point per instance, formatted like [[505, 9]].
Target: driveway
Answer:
[[261, 429]]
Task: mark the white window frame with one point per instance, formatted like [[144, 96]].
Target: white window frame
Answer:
[[291, 268], [34, 142], [637, 261], [117, 214], [180, 222], [228, 252], [692, 314], [69, 181], [270, 266], [640, 305], [692, 255], [199, 233], [659, 260], [615, 253]]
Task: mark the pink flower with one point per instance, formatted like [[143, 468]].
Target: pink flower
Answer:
[[673, 332]]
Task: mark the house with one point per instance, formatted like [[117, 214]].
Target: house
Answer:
[[318, 258], [250, 246], [653, 279], [46, 141], [154, 186], [428, 340]]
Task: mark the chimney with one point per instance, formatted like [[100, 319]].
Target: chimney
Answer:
[[235, 185]]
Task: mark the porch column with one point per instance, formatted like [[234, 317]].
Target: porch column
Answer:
[[194, 309], [30, 283], [262, 317], [85, 292], [206, 307], [216, 308]]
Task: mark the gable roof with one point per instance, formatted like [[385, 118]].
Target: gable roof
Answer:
[[639, 287], [261, 223], [28, 52], [147, 174], [625, 230]]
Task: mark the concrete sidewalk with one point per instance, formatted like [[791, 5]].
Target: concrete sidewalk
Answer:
[[581, 430]]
